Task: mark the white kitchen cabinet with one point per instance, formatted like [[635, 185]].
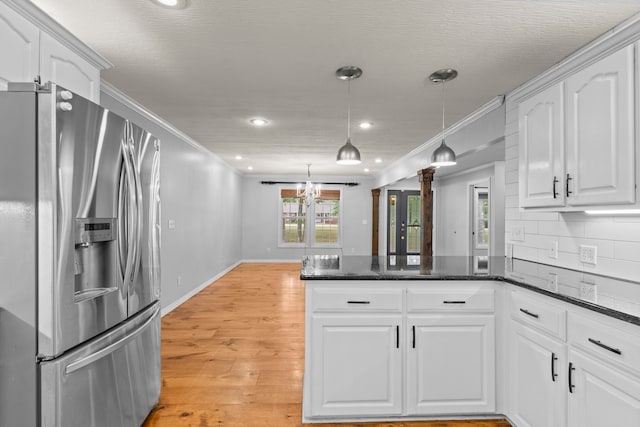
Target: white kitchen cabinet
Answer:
[[601, 395], [19, 48], [537, 380], [357, 365], [600, 160], [577, 140], [450, 364], [541, 148], [61, 65], [29, 50]]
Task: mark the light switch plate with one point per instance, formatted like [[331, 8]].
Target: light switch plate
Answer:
[[517, 233], [552, 282]]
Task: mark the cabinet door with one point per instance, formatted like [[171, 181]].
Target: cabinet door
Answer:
[[356, 366], [451, 364], [62, 66], [541, 149], [537, 378], [601, 396], [600, 132], [18, 49]]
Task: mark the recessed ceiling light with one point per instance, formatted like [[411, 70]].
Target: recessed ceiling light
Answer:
[[259, 122], [366, 169], [250, 168], [171, 4], [238, 157], [378, 160], [365, 125]]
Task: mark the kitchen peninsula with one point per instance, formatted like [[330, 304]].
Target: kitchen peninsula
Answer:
[[391, 338]]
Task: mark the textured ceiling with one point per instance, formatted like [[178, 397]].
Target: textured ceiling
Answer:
[[209, 68]]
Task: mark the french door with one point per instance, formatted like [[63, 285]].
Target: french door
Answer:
[[403, 222]]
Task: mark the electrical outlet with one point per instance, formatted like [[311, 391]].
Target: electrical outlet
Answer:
[[517, 233], [179, 280], [589, 254], [552, 282], [172, 224], [588, 291], [553, 250]]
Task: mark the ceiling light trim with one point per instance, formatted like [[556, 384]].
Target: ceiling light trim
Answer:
[[177, 4]]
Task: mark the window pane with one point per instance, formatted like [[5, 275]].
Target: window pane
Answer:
[[327, 224], [413, 224], [393, 201], [293, 223]]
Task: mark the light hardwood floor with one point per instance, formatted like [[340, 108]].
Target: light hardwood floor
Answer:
[[234, 355]]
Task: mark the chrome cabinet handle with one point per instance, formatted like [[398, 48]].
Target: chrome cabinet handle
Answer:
[[606, 347], [528, 313], [555, 193]]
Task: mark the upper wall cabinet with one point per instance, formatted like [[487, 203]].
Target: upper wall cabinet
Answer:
[[542, 148], [29, 49], [600, 132], [18, 49], [61, 65], [577, 141]]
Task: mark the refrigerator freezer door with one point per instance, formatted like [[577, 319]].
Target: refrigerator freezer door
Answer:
[[113, 380], [81, 292]]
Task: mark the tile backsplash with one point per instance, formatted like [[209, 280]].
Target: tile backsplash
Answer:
[[533, 234]]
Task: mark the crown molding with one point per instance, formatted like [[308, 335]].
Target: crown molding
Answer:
[[45, 23], [620, 36]]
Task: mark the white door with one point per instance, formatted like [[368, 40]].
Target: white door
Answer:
[[66, 68], [356, 366], [600, 395], [600, 132], [541, 149], [450, 364], [18, 48], [537, 389]]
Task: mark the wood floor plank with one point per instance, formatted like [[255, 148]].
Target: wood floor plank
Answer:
[[233, 355]]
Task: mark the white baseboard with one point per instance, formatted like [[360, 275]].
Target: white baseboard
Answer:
[[296, 260], [168, 309]]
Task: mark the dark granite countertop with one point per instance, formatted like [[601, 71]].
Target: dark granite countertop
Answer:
[[610, 296]]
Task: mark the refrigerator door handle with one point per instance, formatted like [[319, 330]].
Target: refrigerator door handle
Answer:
[[81, 363], [138, 206], [122, 209], [154, 223], [130, 213]]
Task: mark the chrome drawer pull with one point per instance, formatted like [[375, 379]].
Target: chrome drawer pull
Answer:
[[606, 347], [528, 313], [358, 302]]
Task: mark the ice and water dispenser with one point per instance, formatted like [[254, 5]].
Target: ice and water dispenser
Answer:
[[95, 259]]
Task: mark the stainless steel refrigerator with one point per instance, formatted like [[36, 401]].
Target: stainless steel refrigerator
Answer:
[[79, 262]]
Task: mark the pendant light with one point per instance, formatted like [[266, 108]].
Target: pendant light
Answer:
[[443, 155], [348, 154]]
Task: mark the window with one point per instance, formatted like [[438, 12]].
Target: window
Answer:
[[323, 216]]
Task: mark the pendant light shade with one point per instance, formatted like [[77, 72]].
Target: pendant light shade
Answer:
[[348, 154], [443, 155]]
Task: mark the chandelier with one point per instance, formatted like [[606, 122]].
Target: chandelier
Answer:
[[310, 191]]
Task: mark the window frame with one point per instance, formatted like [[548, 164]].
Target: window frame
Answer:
[[309, 221]]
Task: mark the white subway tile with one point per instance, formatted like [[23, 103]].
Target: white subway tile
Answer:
[[511, 177], [627, 251], [511, 153], [539, 216], [511, 165], [561, 228], [628, 232]]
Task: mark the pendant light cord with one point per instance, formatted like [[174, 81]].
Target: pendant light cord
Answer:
[[443, 110], [348, 110]]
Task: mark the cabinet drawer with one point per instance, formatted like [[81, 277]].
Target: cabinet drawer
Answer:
[[539, 312], [450, 300], [357, 300], [618, 345]]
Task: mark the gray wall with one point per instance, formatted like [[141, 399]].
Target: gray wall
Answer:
[[260, 219], [202, 195]]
